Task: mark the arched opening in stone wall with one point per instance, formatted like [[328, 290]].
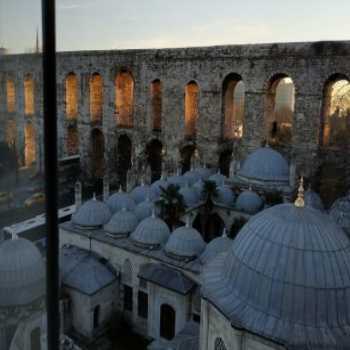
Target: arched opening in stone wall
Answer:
[[233, 91], [28, 95], [96, 97], [225, 161], [156, 104], [336, 111], [187, 154], [97, 151], [191, 108], [35, 339], [279, 110], [71, 98], [72, 141], [124, 159], [10, 96], [154, 158], [167, 322], [124, 99], [29, 144]]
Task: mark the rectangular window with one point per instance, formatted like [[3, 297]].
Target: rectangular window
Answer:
[[128, 298], [142, 304], [196, 318]]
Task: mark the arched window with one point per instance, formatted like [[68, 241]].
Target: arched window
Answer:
[[219, 344], [11, 96], [124, 99], [71, 98], [28, 95], [72, 141], [123, 159], [96, 97], [279, 109], [30, 144], [233, 91], [191, 108], [167, 322], [336, 111], [156, 102], [96, 316], [97, 153], [154, 158], [35, 339]]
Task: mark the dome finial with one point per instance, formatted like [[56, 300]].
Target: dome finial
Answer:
[[94, 196], [153, 212], [120, 189], [188, 221], [13, 234], [299, 202], [224, 232]]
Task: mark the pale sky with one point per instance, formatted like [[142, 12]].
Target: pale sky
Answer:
[[115, 24]]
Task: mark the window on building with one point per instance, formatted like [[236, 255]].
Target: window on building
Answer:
[[11, 96], [96, 97], [191, 108], [124, 99], [142, 306], [28, 95], [233, 91], [279, 110], [196, 318], [128, 302], [71, 92], [156, 103]]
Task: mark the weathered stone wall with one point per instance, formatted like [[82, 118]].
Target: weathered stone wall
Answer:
[[309, 65]]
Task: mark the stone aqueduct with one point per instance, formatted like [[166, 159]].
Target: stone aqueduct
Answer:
[[166, 103]]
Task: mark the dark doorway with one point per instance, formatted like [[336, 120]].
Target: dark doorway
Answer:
[[186, 157], [123, 159], [97, 316], [167, 322], [154, 158]]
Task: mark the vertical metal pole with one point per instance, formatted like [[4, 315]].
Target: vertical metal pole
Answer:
[[50, 157]]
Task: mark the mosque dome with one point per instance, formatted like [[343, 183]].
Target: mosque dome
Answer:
[[122, 223], [313, 200], [204, 173], [265, 164], [185, 243], [249, 202], [151, 233], [286, 277], [92, 214], [190, 196], [157, 185], [120, 200], [340, 212], [140, 193], [192, 176], [177, 180], [144, 209], [22, 273], [215, 247], [218, 178], [225, 196]]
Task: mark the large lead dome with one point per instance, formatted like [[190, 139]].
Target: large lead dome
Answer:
[[286, 277]]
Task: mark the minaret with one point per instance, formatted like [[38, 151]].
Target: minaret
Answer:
[[37, 50]]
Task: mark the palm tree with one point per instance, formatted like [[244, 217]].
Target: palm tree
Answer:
[[172, 205]]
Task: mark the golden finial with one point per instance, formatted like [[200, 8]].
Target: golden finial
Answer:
[[299, 202]]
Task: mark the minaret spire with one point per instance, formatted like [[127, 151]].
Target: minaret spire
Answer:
[[37, 41]]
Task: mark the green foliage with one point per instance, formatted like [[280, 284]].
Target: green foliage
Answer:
[[209, 191], [236, 227]]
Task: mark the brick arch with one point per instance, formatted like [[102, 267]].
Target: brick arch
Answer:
[[124, 98], [96, 97], [29, 95], [191, 108]]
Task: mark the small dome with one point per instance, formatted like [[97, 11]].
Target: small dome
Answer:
[[286, 277], [120, 200], [204, 173], [192, 176], [249, 202], [218, 178], [190, 196], [157, 185], [144, 209], [185, 243], [140, 193], [340, 212], [265, 164], [313, 200], [22, 273], [177, 180], [122, 223], [92, 214], [225, 196], [151, 233], [215, 247]]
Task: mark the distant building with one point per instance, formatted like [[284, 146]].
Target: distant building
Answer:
[[3, 51]]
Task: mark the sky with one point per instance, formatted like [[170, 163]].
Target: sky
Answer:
[[129, 24]]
